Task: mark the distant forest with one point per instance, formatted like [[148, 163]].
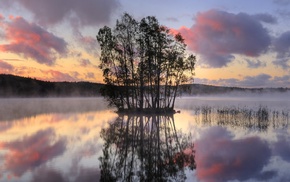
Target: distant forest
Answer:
[[16, 86]]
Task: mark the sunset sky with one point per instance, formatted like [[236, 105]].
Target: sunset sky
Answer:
[[237, 43]]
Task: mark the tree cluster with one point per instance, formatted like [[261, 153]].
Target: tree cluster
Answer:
[[143, 64]]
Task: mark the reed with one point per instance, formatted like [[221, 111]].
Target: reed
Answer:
[[260, 118]]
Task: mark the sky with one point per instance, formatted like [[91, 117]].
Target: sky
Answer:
[[237, 43]]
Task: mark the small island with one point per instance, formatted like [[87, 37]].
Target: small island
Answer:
[[143, 65]]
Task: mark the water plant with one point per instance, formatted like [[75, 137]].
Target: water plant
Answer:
[[260, 118]]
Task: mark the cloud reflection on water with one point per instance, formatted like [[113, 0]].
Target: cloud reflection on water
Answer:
[[220, 157], [32, 151], [282, 147]]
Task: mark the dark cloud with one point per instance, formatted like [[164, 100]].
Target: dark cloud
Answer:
[[267, 175], [5, 66], [283, 80], [284, 13], [266, 18], [90, 75], [48, 175], [88, 175], [256, 81], [172, 19], [31, 151], [218, 35], [220, 157], [223, 82], [255, 64], [90, 44], [32, 41], [85, 12], [261, 80], [85, 62], [282, 47], [282, 2]]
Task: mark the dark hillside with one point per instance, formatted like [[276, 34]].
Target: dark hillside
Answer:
[[15, 86]]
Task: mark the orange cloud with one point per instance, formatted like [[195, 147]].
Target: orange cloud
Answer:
[[32, 41], [58, 76]]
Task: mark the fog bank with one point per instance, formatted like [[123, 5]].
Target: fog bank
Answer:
[[16, 108]]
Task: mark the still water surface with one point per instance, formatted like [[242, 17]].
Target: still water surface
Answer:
[[80, 139]]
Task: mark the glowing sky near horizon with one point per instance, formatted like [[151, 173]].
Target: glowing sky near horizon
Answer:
[[244, 44]]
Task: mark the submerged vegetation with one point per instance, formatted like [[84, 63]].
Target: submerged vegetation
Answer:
[[143, 65]]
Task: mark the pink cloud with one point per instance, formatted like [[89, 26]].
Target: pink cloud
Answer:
[[58, 76], [32, 41], [31, 151], [218, 35]]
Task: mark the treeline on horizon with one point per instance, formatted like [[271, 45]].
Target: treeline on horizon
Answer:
[[16, 86]]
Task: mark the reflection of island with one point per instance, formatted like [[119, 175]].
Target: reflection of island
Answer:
[[145, 148]]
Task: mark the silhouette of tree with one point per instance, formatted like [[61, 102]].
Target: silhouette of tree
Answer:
[[143, 64], [145, 148]]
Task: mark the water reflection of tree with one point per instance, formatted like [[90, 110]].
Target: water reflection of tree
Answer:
[[145, 148]]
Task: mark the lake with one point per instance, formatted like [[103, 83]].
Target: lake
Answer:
[[81, 139]]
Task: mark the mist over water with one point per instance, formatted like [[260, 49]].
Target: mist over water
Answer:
[[273, 100], [16, 108]]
